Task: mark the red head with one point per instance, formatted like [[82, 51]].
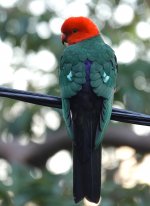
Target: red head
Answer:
[[76, 29]]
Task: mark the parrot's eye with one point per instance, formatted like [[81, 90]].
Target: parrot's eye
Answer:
[[75, 30]]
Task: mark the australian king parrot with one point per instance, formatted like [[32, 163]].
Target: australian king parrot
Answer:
[[87, 77]]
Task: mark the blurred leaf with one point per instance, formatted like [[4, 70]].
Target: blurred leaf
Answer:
[[18, 29]]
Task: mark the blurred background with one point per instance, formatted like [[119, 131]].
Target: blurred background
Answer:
[[35, 152]]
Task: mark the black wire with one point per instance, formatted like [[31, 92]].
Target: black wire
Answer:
[[53, 101], [31, 97]]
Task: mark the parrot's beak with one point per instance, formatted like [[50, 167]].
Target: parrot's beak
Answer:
[[64, 38]]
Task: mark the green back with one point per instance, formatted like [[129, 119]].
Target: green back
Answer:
[[102, 77]]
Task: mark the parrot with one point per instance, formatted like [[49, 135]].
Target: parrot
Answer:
[[87, 78]]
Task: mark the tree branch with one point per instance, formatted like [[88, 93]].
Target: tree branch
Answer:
[[37, 154]]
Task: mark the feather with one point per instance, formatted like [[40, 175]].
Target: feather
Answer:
[[86, 159], [87, 103]]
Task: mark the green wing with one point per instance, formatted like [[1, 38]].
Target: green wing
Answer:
[[103, 80], [67, 116], [104, 120], [71, 78]]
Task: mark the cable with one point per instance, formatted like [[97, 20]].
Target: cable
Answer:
[[55, 102]]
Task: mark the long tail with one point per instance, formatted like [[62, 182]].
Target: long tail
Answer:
[[86, 108], [87, 178], [86, 159]]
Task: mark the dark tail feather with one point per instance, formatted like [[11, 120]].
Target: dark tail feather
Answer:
[[86, 161], [87, 177], [92, 180], [86, 108]]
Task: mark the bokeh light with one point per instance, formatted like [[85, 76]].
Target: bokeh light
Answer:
[[123, 54], [5, 171], [123, 14], [59, 163], [141, 130], [37, 7], [43, 30], [143, 30], [103, 11], [8, 3], [52, 118], [43, 59], [55, 25]]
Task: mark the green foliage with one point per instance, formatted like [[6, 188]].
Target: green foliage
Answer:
[[39, 187], [113, 194], [27, 186], [133, 84], [18, 28]]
